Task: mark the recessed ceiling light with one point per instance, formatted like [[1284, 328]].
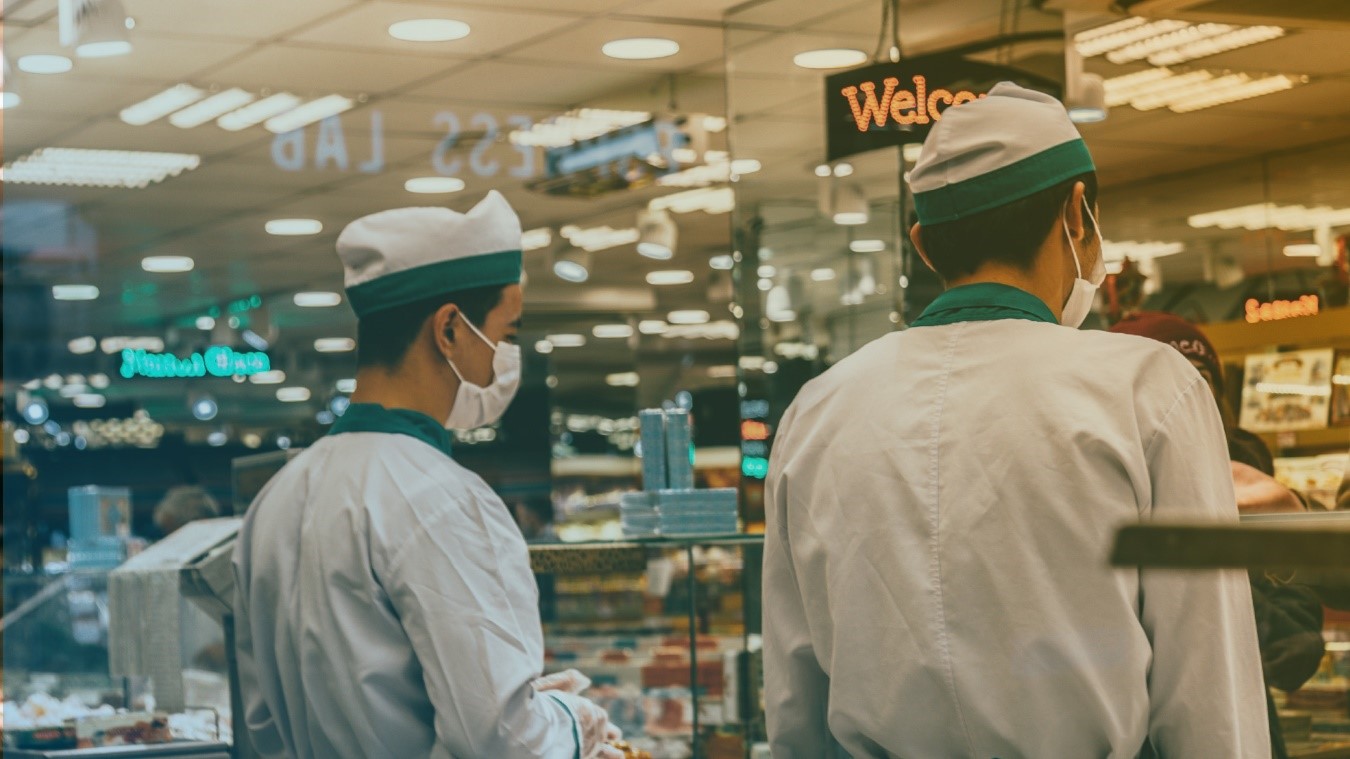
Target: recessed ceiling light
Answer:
[[823, 275], [90, 400], [258, 112], [346, 385], [81, 167], [543, 347], [653, 327], [722, 263], [767, 270], [843, 169], [292, 394], [206, 323], [82, 345], [534, 239], [158, 106], [74, 292], [829, 58], [567, 341], [688, 317], [104, 49], [823, 170], [434, 185], [217, 438], [667, 278], [429, 30], [641, 48], [612, 331], [317, 299], [743, 166], [9, 100], [867, 246], [212, 108], [99, 381], [334, 344], [1303, 250], [273, 377], [623, 379], [293, 227], [304, 115], [167, 264], [43, 63]]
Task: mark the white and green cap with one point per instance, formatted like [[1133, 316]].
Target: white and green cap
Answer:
[[1008, 145], [397, 257]]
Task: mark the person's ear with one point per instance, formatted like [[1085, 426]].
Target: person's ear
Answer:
[[1073, 212], [443, 325], [916, 237]]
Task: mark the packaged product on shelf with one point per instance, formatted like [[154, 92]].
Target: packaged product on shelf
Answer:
[[679, 442], [652, 433]]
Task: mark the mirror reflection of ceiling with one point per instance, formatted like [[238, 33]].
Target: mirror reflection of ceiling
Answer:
[[523, 58]]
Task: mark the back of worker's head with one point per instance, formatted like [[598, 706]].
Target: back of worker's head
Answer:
[[183, 504], [996, 179]]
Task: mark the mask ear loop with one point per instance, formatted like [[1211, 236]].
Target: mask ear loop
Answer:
[[1077, 267]]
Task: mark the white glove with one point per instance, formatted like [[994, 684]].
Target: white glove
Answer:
[[593, 724], [567, 681]]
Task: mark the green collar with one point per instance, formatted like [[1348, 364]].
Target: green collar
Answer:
[[372, 417], [983, 302]]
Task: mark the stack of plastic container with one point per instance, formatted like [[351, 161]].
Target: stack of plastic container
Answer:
[[670, 505], [100, 523]]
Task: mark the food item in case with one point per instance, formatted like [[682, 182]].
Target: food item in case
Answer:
[[630, 752], [126, 729]]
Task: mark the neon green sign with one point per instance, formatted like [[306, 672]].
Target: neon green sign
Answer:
[[216, 361]]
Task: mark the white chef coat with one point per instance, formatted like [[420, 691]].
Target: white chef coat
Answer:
[[940, 508], [386, 609]]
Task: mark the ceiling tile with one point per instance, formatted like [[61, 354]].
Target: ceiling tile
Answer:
[[366, 26], [501, 83], [581, 45], [308, 71], [245, 19]]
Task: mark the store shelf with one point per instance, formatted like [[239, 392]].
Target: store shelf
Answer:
[[629, 555], [1330, 440], [1319, 545]]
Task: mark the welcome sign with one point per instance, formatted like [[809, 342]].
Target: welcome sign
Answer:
[[889, 104]]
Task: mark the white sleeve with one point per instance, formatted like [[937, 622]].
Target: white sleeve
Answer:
[[473, 633], [1206, 691], [261, 723], [796, 690]]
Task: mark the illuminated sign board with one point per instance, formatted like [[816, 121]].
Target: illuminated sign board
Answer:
[[889, 104], [1278, 310], [216, 361]]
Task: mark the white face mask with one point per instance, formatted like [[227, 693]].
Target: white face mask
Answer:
[[480, 406], [1084, 292]]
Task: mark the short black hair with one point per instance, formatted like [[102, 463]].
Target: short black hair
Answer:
[[383, 338], [1009, 234]]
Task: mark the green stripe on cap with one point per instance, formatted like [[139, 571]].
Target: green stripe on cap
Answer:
[[441, 278], [1004, 185]]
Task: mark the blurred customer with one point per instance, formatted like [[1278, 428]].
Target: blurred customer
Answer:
[[1288, 616], [183, 504], [535, 516]]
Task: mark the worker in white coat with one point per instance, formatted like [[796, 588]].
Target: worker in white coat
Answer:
[[385, 602], [941, 504]]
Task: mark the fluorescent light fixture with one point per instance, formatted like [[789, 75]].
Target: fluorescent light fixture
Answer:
[[1119, 250], [535, 239], [829, 58], [292, 394], [346, 385], [434, 185], [80, 167], [767, 270], [111, 345], [722, 263], [688, 317], [653, 327], [158, 106], [572, 265], [867, 246], [1179, 38], [1270, 216], [293, 227], [334, 344], [1303, 250], [668, 278], [657, 235], [212, 108], [850, 208], [641, 48], [576, 125], [43, 63], [543, 347], [727, 371], [743, 166], [82, 345], [712, 200], [1215, 44], [1340, 379], [257, 112], [317, 299], [823, 275], [1120, 34], [429, 30], [273, 377], [90, 400], [304, 115], [1275, 388], [74, 292], [73, 389], [255, 341], [105, 49], [624, 379], [167, 264], [599, 238], [1231, 89], [567, 340], [612, 331]]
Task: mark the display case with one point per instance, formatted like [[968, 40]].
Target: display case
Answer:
[[668, 630]]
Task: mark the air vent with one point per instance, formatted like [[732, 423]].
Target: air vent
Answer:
[[1334, 14]]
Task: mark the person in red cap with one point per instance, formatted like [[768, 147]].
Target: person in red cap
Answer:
[[1288, 616]]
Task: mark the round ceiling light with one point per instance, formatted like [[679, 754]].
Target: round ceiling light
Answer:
[[167, 264], [204, 409], [293, 394], [206, 323], [317, 299], [45, 64], [434, 185], [9, 100], [105, 49], [334, 344], [293, 227], [829, 58], [74, 292], [668, 278], [688, 317], [612, 331], [217, 439], [641, 48], [273, 377], [566, 341], [722, 263], [429, 30]]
